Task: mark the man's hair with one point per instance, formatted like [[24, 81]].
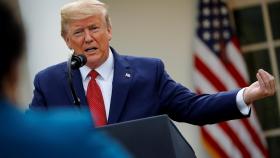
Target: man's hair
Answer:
[[11, 41], [82, 9]]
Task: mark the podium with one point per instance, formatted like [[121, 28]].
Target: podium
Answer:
[[153, 137]]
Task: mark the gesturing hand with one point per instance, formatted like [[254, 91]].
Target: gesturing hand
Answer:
[[264, 87]]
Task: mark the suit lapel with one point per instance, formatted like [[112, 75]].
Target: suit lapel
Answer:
[[78, 86], [122, 79]]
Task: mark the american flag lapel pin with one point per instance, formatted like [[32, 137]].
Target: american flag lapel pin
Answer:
[[127, 75]]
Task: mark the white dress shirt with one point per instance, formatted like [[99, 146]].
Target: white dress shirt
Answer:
[[242, 106], [105, 81]]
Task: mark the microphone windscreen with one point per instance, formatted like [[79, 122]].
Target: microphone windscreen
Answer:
[[78, 61]]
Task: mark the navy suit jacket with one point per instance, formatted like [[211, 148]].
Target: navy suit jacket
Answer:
[[141, 88], [55, 134]]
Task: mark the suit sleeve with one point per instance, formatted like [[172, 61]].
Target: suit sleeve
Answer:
[[185, 106], [38, 100]]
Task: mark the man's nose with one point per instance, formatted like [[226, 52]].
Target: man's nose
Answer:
[[88, 37]]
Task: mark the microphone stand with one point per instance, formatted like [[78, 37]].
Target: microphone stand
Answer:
[[76, 99]]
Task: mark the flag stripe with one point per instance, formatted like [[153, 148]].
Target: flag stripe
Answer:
[[213, 144], [203, 82], [235, 139], [241, 131], [235, 74], [223, 140], [209, 74], [255, 137], [253, 120], [235, 65], [236, 58], [206, 144], [214, 63]]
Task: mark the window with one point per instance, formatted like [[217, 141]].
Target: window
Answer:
[[257, 25]]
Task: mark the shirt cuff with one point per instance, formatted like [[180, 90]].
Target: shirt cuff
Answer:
[[241, 105]]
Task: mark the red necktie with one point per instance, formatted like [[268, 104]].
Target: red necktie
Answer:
[[95, 101]]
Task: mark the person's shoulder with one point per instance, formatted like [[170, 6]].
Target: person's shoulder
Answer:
[[143, 64], [54, 69], [66, 132], [139, 58], [74, 130], [57, 116], [136, 60]]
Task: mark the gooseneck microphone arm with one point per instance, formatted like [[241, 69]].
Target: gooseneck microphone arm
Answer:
[[75, 62]]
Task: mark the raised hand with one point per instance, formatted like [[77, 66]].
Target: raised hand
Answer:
[[264, 87]]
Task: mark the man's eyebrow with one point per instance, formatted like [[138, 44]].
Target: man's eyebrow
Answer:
[[92, 25], [78, 29]]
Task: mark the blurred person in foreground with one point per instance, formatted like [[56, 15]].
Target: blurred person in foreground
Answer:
[[131, 87], [53, 134]]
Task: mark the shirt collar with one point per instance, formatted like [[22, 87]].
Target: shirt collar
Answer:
[[103, 70]]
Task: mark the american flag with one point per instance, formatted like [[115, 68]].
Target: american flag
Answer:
[[219, 66]]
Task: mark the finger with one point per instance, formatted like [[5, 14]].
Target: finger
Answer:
[[264, 76], [261, 83], [272, 83], [268, 81]]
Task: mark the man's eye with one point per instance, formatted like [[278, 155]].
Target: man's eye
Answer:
[[94, 28], [77, 32]]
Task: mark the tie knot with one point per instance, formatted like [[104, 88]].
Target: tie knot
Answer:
[[93, 74]]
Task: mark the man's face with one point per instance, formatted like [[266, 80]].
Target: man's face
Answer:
[[90, 36]]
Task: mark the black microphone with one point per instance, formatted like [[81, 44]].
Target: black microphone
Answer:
[[75, 62], [78, 61]]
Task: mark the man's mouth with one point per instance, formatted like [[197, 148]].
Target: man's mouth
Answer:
[[90, 50]]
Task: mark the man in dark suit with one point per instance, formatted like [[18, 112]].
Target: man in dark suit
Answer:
[[53, 134], [131, 87]]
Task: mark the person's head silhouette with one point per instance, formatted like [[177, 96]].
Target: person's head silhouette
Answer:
[[11, 51]]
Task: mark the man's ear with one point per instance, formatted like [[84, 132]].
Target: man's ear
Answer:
[[109, 31]]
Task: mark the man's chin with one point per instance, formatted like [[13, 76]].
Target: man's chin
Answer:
[[93, 62]]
